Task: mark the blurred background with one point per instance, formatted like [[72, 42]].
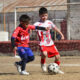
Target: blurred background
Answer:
[[64, 13]]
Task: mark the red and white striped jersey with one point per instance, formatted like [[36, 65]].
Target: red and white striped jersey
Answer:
[[45, 36]]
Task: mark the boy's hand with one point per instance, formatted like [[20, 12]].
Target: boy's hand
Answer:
[[15, 48], [62, 38], [47, 28]]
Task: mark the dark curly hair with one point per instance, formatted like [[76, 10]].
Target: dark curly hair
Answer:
[[42, 10], [24, 18]]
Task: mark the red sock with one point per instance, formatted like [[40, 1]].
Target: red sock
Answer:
[[57, 62], [43, 61]]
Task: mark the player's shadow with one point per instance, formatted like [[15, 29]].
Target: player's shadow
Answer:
[[46, 73], [49, 74], [7, 74], [72, 72]]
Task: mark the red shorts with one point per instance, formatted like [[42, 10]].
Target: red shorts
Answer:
[[51, 50]]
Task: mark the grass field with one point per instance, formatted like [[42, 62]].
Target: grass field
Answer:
[[69, 64]]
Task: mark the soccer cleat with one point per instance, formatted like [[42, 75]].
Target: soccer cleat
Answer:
[[43, 66], [60, 72], [18, 67], [24, 73]]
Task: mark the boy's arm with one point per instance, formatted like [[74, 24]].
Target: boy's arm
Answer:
[[57, 30], [14, 36], [13, 45], [13, 42], [38, 27], [41, 28]]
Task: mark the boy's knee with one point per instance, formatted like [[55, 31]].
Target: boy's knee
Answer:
[[44, 54], [57, 57], [28, 59], [31, 58]]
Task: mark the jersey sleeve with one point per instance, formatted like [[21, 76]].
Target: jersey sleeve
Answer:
[[53, 25], [15, 33], [36, 24], [32, 27]]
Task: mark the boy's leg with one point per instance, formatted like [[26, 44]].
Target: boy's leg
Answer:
[[57, 61], [55, 54], [23, 66], [18, 66], [25, 60], [43, 61], [30, 55], [27, 57], [22, 63]]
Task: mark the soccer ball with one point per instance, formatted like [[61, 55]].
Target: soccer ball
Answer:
[[53, 68]]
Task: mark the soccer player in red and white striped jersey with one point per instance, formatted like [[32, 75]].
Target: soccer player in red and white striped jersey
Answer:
[[46, 43]]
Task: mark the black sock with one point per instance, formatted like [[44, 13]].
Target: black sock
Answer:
[[23, 65]]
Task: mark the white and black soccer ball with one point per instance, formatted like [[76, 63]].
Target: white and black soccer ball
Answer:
[[53, 68]]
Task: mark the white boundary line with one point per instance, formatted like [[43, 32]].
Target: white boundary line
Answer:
[[37, 65]]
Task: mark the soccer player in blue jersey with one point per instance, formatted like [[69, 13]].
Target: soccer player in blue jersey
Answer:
[[20, 43]]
